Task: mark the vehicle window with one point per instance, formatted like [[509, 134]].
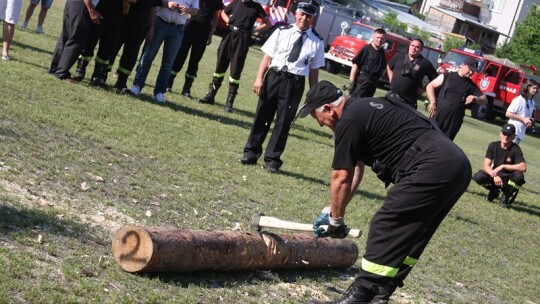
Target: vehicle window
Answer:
[[492, 71], [282, 3], [389, 45], [513, 77], [402, 48], [361, 32]]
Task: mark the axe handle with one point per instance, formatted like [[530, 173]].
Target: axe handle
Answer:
[[272, 222]]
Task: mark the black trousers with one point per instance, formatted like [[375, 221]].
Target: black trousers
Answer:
[[365, 86], [281, 96], [233, 49], [133, 31], [75, 29], [433, 175], [483, 179], [194, 39], [106, 33]]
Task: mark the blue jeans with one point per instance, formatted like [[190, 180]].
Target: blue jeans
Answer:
[[171, 36]]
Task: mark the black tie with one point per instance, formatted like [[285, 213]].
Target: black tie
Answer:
[[297, 47]]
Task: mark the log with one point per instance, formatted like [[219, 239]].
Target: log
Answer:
[[138, 249]]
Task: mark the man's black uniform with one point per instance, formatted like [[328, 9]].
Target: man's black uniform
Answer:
[[451, 102], [513, 180], [233, 48], [429, 172], [408, 77], [196, 35], [371, 64], [133, 31], [107, 34]]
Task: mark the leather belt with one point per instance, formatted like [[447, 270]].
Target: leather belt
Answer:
[[283, 72], [396, 98], [237, 29], [170, 23]]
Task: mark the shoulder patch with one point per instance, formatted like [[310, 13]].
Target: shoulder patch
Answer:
[[285, 26], [316, 34]]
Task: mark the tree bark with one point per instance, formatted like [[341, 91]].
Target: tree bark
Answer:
[[138, 249]]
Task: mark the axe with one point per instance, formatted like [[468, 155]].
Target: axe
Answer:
[[259, 220]]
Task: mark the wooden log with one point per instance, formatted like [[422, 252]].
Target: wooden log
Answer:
[[138, 249]]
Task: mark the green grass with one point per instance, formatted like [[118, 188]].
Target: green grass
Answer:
[[179, 161]]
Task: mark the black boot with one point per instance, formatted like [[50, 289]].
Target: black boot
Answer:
[[509, 194], [99, 77], [356, 294], [170, 83], [81, 69], [233, 90], [493, 193], [384, 293], [121, 82], [212, 91], [186, 90]]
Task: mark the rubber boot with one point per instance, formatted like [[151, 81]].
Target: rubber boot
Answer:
[[212, 91], [233, 90], [170, 83], [121, 82], [99, 77], [356, 294], [81, 69], [186, 90]]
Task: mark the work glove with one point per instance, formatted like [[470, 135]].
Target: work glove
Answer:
[[337, 232], [348, 87], [323, 219]]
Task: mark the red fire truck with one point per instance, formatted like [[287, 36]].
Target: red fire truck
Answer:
[[499, 79], [344, 48]]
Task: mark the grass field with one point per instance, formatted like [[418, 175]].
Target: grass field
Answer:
[[77, 163]]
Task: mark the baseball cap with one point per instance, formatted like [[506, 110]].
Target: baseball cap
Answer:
[[321, 93], [472, 63], [308, 7], [509, 129]]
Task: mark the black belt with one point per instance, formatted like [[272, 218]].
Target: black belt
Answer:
[[283, 72], [370, 75], [239, 30], [393, 96], [170, 23]]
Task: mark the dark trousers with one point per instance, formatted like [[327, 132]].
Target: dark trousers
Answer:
[[75, 29], [281, 96], [106, 32], [233, 49], [449, 117], [485, 180], [365, 86], [195, 38], [433, 175]]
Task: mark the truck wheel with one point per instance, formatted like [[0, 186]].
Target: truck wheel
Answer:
[[332, 67], [482, 113]]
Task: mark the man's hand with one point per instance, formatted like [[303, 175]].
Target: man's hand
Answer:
[[497, 180], [258, 86], [323, 219], [95, 16], [348, 87]]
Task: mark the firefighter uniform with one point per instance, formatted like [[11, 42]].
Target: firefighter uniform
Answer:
[[133, 31], [429, 172], [199, 27], [233, 48], [371, 64], [282, 91], [408, 76], [106, 33], [451, 102]]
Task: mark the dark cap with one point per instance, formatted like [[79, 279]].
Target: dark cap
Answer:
[[320, 94], [308, 7], [472, 63], [509, 129]]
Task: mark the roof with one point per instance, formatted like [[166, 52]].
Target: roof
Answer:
[[466, 18]]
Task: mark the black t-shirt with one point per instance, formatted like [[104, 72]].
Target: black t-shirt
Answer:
[[407, 86], [207, 8], [455, 89], [244, 14], [375, 129], [142, 7], [500, 156], [370, 61]]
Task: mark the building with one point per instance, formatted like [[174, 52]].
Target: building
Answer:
[[486, 22]]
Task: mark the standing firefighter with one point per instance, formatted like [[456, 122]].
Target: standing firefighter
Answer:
[[290, 54], [201, 25], [429, 172], [240, 16]]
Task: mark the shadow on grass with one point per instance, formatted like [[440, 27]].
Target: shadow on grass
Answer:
[[27, 221], [517, 205], [216, 279]]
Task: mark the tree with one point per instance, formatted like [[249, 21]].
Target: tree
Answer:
[[452, 43], [391, 22], [524, 47]]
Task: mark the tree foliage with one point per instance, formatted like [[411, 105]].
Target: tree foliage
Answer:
[[524, 48], [452, 43], [391, 22]]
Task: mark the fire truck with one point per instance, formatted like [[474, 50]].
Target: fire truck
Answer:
[[357, 35], [499, 79]]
